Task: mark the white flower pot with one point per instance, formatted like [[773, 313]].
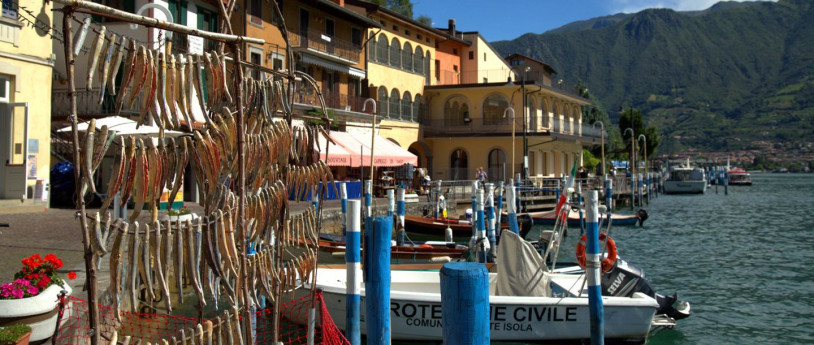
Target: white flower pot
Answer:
[[182, 218], [39, 312]]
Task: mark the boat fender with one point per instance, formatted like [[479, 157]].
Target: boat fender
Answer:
[[607, 262]]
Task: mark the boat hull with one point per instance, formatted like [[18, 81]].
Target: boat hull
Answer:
[[547, 218], [415, 312], [685, 187]]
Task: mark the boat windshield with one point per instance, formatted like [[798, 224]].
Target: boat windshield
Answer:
[[686, 175]]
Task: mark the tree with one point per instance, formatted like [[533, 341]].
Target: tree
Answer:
[[424, 20], [633, 118]]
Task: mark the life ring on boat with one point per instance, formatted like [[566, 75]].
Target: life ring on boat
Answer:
[[607, 263]]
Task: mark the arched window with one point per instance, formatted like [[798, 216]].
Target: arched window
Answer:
[[395, 53], [382, 101], [394, 110], [418, 115], [531, 113], [544, 110], [456, 110], [458, 165], [382, 49], [418, 61], [493, 108], [371, 47], [497, 165], [407, 105], [407, 56]]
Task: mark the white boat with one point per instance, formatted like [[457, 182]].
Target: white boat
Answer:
[[541, 306], [685, 179]]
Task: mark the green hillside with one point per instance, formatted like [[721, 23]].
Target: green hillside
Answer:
[[715, 80]]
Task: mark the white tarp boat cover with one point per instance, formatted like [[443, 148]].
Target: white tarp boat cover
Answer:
[[521, 271]]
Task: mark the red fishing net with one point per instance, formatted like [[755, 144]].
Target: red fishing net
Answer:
[[293, 329]]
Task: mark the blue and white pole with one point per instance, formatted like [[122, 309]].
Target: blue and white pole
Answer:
[[368, 226], [354, 272], [437, 200], [510, 208], [581, 218], [401, 210], [499, 211], [640, 189], [377, 284], [343, 201], [391, 203], [482, 228], [592, 268], [632, 191], [489, 211], [474, 239]]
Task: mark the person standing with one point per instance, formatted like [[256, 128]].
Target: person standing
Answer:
[[481, 175]]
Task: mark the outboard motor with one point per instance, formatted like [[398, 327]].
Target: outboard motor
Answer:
[[625, 279], [525, 222], [642, 215]]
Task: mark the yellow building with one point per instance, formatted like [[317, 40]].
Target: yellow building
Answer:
[[484, 125], [26, 63]]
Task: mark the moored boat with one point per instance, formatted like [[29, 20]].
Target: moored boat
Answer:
[[549, 218], [430, 251], [739, 177], [685, 179], [460, 227]]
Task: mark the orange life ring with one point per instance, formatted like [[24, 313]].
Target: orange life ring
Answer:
[[607, 263]]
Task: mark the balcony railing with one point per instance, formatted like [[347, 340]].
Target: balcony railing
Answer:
[[87, 103], [332, 100], [434, 128], [319, 41]]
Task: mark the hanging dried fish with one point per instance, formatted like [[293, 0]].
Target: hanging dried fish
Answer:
[[114, 68], [111, 47], [212, 82], [182, 91], [93, 59], [87, 161], [149, 90], [179, 261], [130, 68], [81, 33], [131, 172], [172, 92], [133, 265], [159, 266], [140, 184], [221, 61], [98, 241], [162, 91], [142, 70], [146, 263], [198, 83], [116, 268]]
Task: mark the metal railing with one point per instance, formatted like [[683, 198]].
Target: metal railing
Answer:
[[332, 100], [87, 103], [318, 40]]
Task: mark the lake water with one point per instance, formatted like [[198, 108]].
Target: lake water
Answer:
[[743, 260]]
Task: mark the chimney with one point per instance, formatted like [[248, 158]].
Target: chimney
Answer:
[[452, 27]]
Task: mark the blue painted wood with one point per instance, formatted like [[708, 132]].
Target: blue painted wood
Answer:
[[592, 268], [352, 255], [465, 303], [377, 284]]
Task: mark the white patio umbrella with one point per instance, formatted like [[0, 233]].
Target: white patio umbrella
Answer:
[[123, 126]]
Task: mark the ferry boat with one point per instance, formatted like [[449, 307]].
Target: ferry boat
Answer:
[[685, 179], [739, 177]]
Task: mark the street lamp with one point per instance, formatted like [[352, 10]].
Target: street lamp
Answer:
[[373, 132], [525, 140], [641, 136], [510, 110], [602, 125], [633, 163]]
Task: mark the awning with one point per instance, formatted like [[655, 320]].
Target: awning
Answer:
[[122, 126], [313, 60], [386, 153], [337, 154]]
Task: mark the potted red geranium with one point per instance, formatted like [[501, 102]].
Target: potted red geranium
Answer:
[[32, 297]]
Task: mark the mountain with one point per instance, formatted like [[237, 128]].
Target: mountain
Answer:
[[732, 77]]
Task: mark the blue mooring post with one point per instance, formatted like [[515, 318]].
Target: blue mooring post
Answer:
[[368, 227], [343, 201], [489, 212], [465, 303], [640, 189], [354, 273], [401, 210], [474, 239], [632, 191], [592, 268], [391, 203], [511, 210], [377, 284]]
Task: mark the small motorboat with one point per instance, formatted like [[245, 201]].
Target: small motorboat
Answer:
[[685, 179], [739, 177], [460, 227], [549, 218], [428, 251]]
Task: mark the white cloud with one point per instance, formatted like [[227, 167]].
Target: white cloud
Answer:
[[632, 6]]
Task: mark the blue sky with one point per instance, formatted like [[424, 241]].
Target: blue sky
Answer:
[[508, 19]]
